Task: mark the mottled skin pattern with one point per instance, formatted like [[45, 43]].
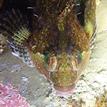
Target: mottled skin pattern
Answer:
[[78, 36]]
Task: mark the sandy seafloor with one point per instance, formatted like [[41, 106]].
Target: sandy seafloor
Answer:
[[36, 88]]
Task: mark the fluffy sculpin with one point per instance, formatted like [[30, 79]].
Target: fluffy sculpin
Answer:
[[63, 50], [59, 39]]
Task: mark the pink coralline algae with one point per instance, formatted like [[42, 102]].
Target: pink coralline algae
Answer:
[[10, 97]]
